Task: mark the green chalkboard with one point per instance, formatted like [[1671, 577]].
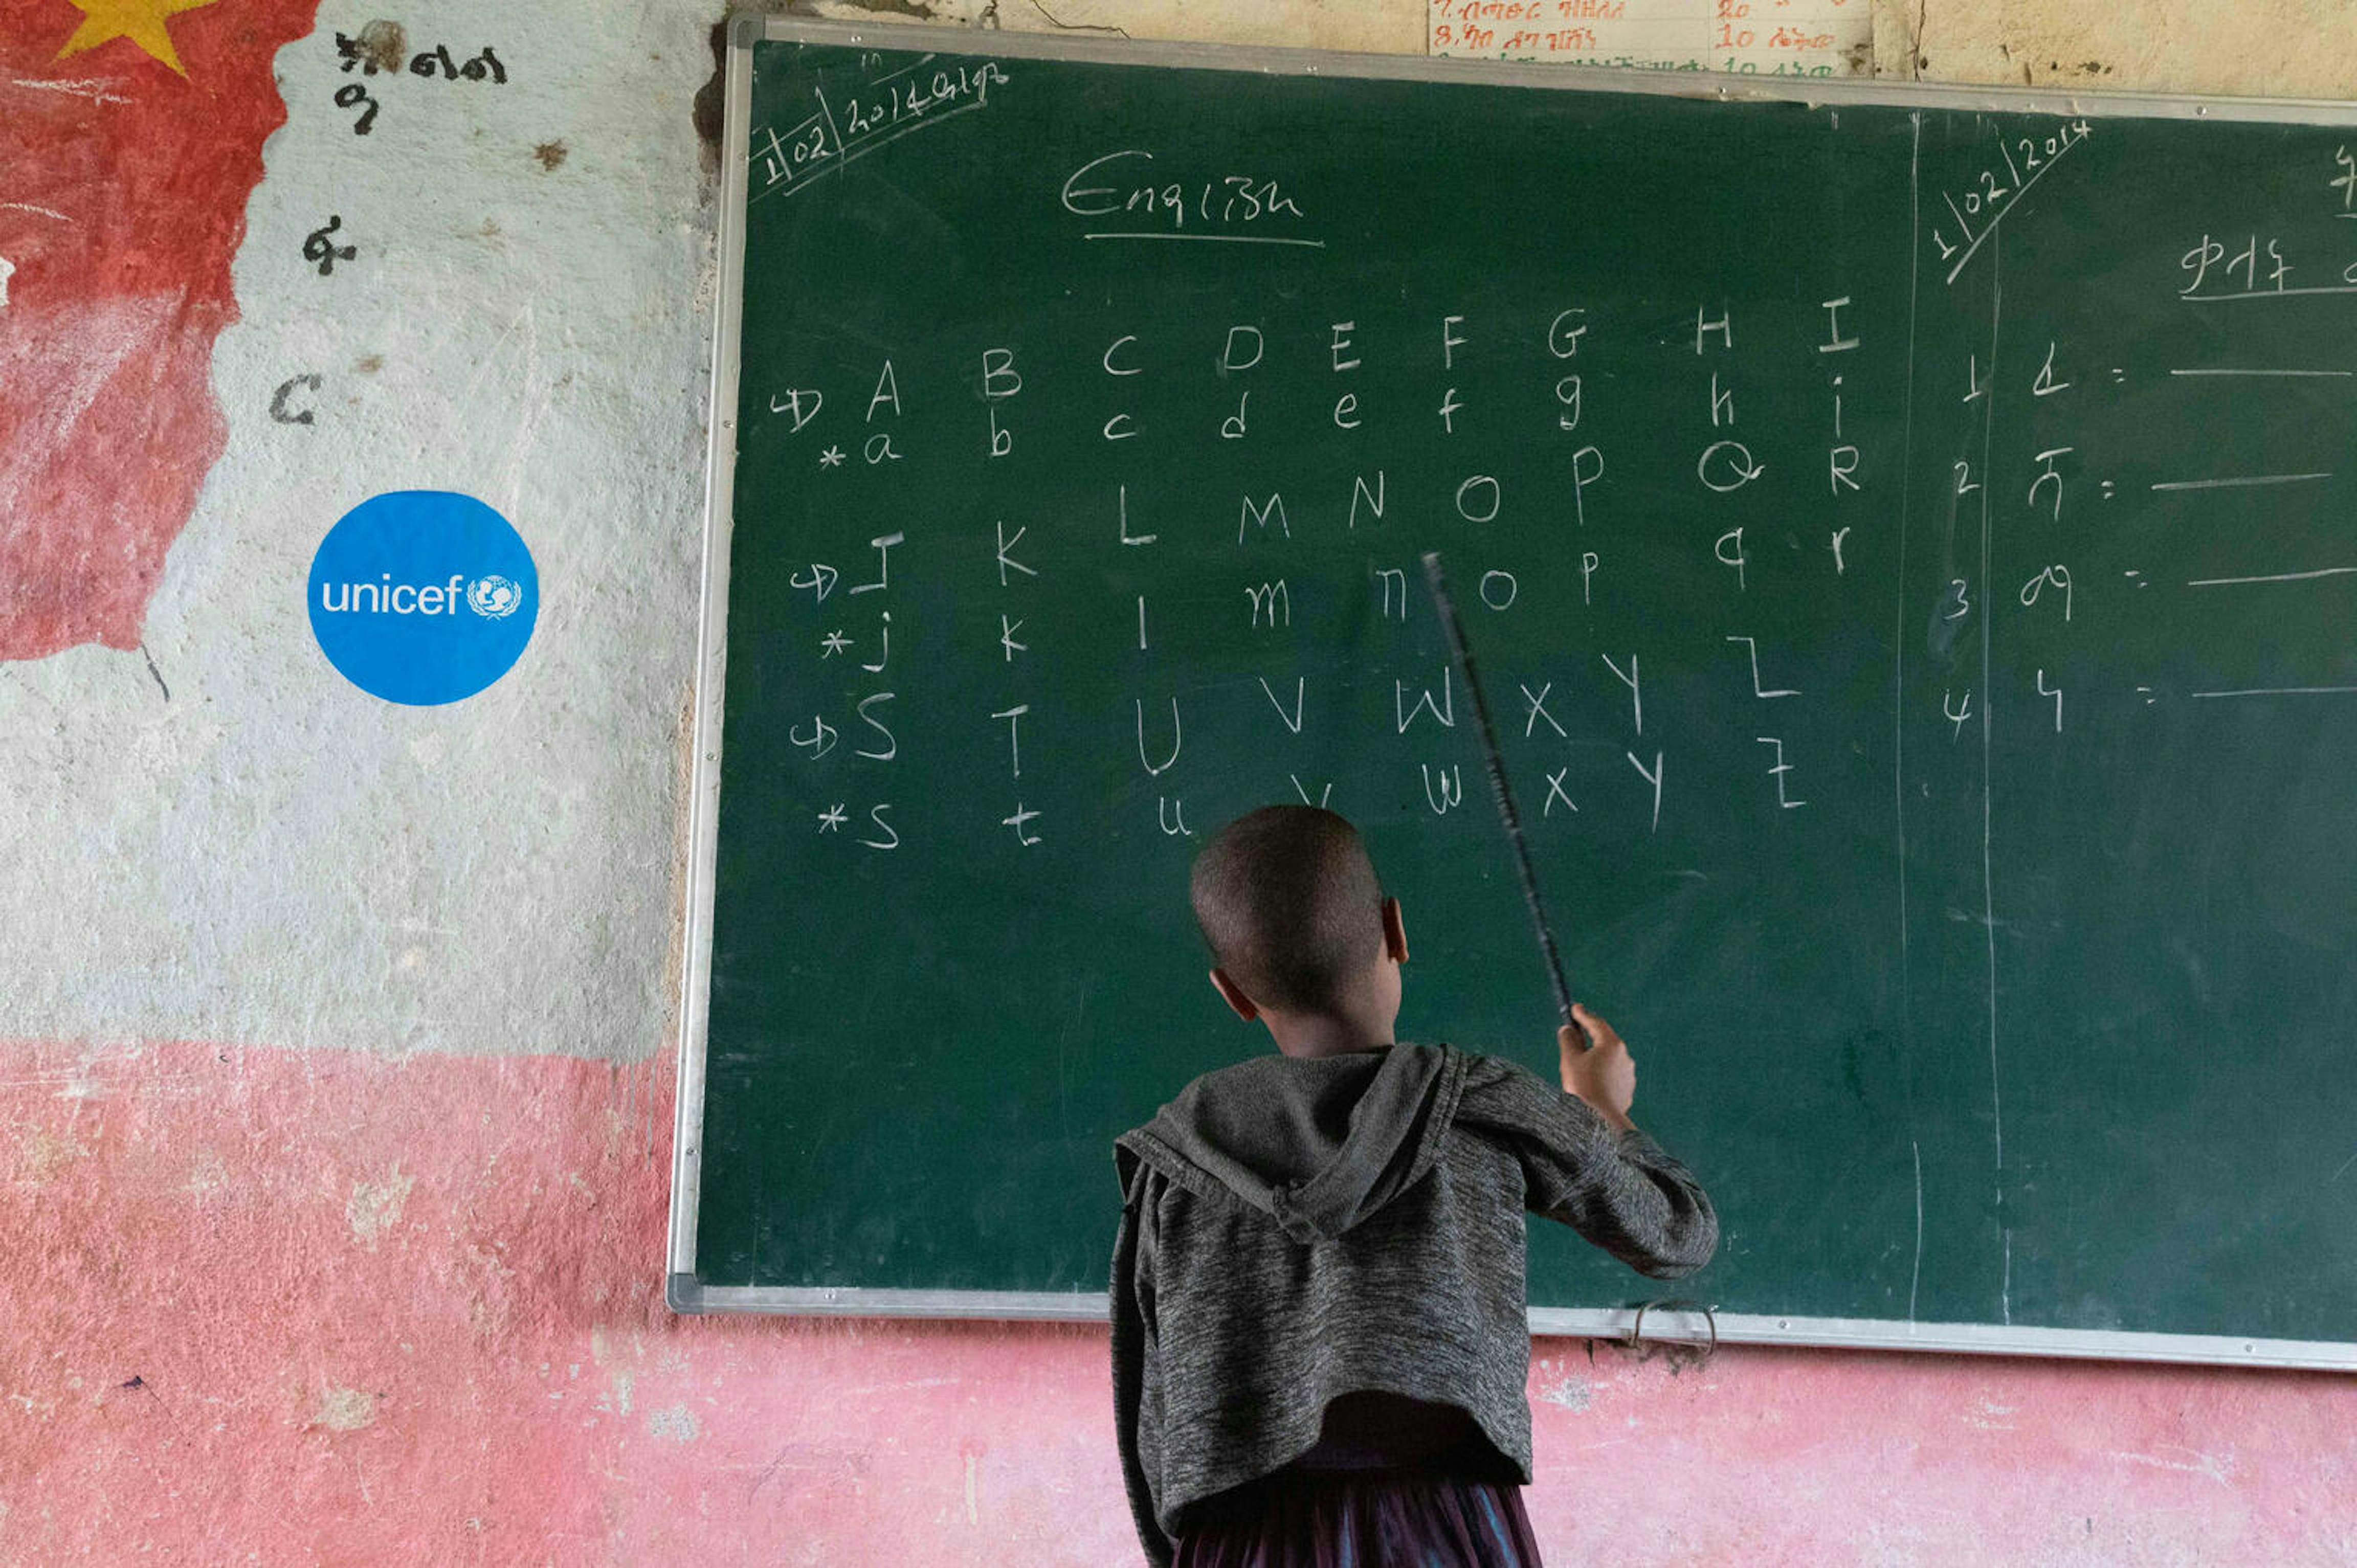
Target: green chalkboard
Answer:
[[1857, 509]]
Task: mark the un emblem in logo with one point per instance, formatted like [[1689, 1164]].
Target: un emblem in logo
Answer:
[[386, 586], [493, 599]]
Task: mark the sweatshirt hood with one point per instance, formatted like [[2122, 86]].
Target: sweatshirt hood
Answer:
[[1319, 1144]]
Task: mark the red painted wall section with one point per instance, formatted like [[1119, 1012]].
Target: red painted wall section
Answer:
[[333, 1308], [123, 203]]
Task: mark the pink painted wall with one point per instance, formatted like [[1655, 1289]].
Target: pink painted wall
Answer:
[[328, 1307]]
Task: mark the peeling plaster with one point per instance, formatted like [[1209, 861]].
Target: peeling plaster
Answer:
[[344, 1409], [208, 1173], [42, 1154], [674, 1424], [1571, 1394], [375, 1207]]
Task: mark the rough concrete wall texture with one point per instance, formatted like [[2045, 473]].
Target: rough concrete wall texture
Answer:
[[2267, 49], [335, 1089]]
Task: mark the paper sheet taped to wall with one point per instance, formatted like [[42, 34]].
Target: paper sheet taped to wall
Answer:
[[1770, 37]]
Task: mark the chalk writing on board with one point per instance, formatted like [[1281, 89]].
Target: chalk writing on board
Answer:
[[2055, 692], [1556, 792], [1444, 787], [862, 117], [819, 580], [1778, 771], [2245, 264], [1763, 38], [1129, 197], [2320, 572], [1013, 552], [2239, 481], [1993, 190], [2057, 578], [2230, 267], [1535, 708], [1752, 646]]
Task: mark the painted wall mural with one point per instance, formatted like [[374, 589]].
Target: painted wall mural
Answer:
[[130, 135]]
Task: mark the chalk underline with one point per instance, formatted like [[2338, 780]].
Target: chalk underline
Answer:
[[2268, 293], [2274, 578], [2282, 576], [1215, 239], [2239, 483], [2263, 372], [2281, 691]]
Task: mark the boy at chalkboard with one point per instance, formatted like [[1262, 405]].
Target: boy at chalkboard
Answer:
[[1320, 1343]]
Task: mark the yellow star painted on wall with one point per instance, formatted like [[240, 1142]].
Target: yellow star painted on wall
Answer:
[[141, 21]]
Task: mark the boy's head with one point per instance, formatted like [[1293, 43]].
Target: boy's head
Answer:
[[1296, 922]]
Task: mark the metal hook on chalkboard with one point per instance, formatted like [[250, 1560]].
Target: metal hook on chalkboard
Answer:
[[1636, 1341]]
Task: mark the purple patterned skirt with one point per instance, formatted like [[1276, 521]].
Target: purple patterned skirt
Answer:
[[1362, 1518]]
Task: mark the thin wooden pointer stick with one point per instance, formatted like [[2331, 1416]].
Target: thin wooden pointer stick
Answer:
[[1499, 789]]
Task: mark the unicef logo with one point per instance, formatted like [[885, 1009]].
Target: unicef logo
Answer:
[[494, 598], [387, 584]]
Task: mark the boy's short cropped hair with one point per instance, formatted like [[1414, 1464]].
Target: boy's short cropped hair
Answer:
[[1287, 900]]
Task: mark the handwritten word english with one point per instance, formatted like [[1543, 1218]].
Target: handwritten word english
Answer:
[[1119, 183]]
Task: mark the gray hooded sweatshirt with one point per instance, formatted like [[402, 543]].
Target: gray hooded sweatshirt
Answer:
[[1295, 1230]]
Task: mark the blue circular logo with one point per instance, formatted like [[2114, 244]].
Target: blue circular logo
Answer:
[[422, 596]]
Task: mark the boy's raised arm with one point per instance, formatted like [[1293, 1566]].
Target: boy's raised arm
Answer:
[[1586, 1165]]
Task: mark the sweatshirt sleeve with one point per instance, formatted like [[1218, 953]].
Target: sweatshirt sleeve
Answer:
[[1621, 1190], [1137, 1402]]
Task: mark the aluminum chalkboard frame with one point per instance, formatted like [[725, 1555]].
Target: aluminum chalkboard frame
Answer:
[[685, 1291]]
